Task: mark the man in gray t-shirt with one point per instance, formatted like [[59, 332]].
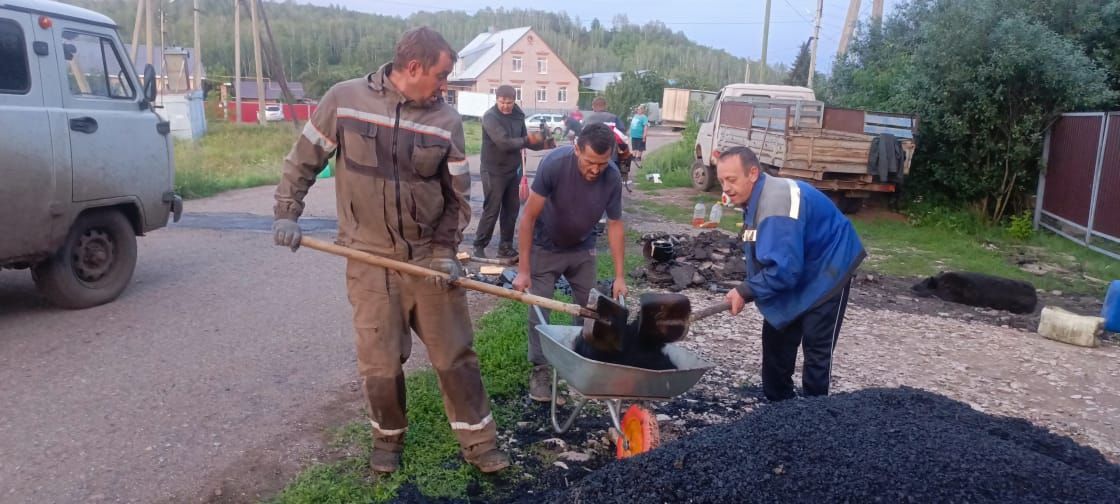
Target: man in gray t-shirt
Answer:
[[572, 189]]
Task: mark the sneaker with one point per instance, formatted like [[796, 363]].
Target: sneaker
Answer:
[[540, 383], [384, 461], [506, 250], [479, 252], [490, 461]]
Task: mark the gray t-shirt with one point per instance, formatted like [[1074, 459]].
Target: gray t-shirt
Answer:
[[572, 204]]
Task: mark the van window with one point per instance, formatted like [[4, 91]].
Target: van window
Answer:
[[14, 75], [93, 67]]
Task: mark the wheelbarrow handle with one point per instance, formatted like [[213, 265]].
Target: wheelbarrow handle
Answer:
[[465, 283]]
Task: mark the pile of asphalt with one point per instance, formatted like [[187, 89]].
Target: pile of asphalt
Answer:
[[876, 445]]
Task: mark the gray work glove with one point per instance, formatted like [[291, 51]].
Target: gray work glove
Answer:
[[286, 233], [448, 265]]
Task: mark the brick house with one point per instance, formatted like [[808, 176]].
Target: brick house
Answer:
[[520, 58]]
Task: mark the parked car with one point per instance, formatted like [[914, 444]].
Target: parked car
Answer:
[[273, 113], [86, 163], [554, 122]]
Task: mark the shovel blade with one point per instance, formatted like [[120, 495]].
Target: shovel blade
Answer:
[[663, 318], [606, 333]]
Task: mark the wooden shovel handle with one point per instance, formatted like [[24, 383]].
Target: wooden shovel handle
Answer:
[[466, 283], [711, 310]]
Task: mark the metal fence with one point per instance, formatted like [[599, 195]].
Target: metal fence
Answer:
[[1079, 193]]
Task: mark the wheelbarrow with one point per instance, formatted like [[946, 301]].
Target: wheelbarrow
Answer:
[[636, 431]]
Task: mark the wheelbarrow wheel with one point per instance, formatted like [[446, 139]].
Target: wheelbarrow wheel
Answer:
[[640, 432]]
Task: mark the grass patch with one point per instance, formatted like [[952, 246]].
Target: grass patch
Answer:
[[234, 156], [231, 157], [673, 162], [935, 239]]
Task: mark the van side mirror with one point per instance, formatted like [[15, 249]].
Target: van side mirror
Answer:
[[149, 83]]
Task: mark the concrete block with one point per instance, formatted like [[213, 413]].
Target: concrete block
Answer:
[[1060, 325]]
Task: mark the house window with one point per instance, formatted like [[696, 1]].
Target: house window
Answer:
[[493, 90], [517, 90], [451, 96], [542, 95], [542, 65], [517, 63], [14, 75], [562, 95]]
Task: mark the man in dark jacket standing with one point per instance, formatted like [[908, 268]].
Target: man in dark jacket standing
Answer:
[[503, 136], [801, 253]]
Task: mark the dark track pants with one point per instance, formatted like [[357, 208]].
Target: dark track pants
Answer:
[[500, 205], [815, 332]]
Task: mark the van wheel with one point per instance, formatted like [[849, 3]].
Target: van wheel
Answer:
[[703, 176], [93, 266], [847, 204]]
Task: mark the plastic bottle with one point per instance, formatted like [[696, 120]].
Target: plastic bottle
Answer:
[[716, 215], [698, 214]]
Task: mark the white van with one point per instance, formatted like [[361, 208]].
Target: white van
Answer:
[[85, 163]]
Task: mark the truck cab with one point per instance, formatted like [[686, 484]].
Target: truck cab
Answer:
[[85, 161]]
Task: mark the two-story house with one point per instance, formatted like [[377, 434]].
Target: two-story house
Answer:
[[520, 58]]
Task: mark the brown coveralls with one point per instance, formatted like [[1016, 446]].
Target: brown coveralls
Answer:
[[402, 188]]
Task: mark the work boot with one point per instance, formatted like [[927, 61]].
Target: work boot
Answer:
[[486, 458], [540, 383], [479, 252], [506, 250], [386, 455]]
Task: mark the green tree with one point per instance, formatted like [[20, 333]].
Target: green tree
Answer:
[[799, 74], [633, 88], [985, 77]]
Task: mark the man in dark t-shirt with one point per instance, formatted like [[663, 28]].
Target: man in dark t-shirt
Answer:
[[573, 188]]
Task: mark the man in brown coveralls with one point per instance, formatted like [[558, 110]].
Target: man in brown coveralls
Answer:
[[400, 182]]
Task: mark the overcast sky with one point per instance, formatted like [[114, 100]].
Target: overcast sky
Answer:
[[735, 26]]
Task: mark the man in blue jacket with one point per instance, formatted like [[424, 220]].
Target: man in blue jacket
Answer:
[[801, 253]]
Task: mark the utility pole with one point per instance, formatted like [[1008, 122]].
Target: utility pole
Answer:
[[849, 27], [276, 67], [816, 38], [877, 10], [197, 52], [149, 20], [765, 40], [257, 61], [237, 60], [136, 29]]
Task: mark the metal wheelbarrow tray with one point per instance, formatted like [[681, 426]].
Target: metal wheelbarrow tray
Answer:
[[613, 383]]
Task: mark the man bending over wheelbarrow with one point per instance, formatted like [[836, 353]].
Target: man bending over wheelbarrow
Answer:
[[572, 189], [401, 182], [801, 253]]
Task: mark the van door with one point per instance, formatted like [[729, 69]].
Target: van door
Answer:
[[116, 148], [27, 178]]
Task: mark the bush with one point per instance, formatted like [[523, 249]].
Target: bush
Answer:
[[1021, 227]]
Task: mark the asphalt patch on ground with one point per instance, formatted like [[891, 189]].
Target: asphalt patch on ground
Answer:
[[894, 445]]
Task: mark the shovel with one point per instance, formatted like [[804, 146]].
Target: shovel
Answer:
[[603, 322], [665, 318]]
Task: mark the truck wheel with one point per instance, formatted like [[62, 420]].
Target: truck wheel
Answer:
[[847, 204], [703, 176], [93, 266]]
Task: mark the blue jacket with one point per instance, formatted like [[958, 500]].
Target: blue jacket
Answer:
[[800, 250]]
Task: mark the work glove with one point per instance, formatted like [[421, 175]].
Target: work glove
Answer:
[[286, 233], [448, 265]]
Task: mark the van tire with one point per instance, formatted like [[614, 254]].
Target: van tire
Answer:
[[93, 266], [703, 176]]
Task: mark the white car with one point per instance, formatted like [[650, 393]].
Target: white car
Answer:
[[554, 122], [273, 113]]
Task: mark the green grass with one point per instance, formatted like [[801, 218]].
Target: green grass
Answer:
[[431, 458], [231, 157], [673, 162], [935, 240], [237, 156]]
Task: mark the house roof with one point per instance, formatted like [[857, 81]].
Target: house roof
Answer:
[[599, 81], [483, 51], [272, 90], [158, 55]]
